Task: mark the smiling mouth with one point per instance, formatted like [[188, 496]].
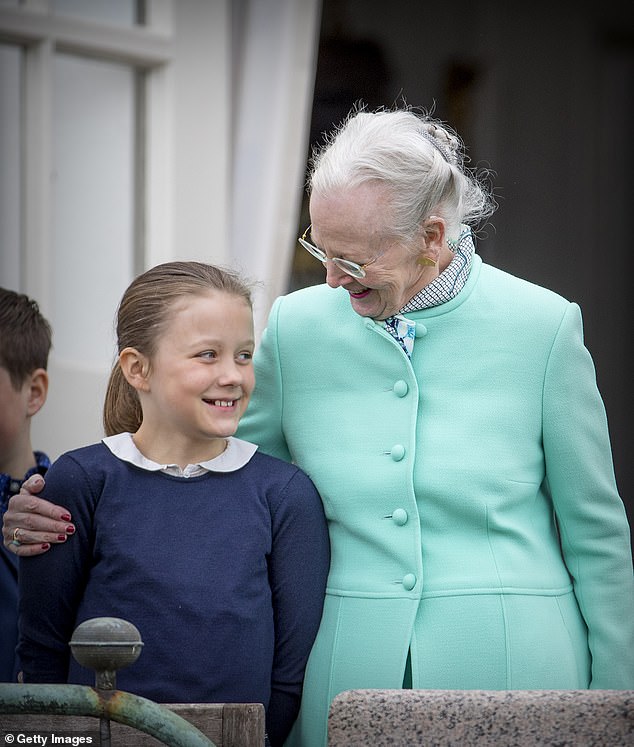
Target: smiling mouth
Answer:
[[228, 403], [360, 294]]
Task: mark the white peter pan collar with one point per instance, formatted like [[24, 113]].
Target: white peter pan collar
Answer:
[[235, 456]]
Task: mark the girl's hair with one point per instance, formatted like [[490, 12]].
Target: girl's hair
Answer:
[[419, 159], [143, 314]]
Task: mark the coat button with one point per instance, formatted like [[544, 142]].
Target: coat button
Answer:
[[421, 330], [397, 452], [400, 388], [399, 516], [409, 581]]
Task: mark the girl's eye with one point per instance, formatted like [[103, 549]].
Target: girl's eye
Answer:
[[208, 354], [246, 356]]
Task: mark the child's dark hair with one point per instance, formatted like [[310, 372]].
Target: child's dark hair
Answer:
[[142, 316], [25, 336]]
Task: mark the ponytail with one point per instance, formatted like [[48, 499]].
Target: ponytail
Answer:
[[121, 408]]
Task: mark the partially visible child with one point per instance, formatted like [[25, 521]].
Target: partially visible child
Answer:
[[228, 612], [25, 342]]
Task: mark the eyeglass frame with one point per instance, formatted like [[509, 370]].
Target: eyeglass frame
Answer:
[[353, 269]]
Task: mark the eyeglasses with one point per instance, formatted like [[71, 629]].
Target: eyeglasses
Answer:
[[351, 268]]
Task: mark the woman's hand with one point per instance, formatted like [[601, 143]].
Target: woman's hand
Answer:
[[32, 524]]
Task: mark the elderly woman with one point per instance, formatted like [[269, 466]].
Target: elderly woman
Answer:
[[449, 416]]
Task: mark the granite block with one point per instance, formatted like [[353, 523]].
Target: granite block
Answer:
[[482, 718]]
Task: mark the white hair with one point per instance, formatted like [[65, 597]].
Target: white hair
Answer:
[[419, 159]]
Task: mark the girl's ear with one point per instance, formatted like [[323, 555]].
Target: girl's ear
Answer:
[[136, 368]]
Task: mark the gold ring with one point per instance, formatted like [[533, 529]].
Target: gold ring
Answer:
[[15, 534]]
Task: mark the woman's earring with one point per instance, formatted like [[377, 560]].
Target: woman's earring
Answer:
[[426, 262]]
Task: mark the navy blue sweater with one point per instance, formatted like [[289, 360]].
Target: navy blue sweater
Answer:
[[223, 574]]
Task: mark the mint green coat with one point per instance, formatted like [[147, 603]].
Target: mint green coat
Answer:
[[473, 512]]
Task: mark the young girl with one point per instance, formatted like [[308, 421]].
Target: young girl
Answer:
[[216, 552]]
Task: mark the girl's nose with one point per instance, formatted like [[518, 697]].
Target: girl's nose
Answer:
[[231, 373]]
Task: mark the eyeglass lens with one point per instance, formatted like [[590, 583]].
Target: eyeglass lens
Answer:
[[351, 268]]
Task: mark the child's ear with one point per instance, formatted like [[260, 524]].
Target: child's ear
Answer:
[[135, 367], [38, 390]]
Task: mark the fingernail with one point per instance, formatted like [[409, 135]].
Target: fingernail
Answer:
[[70, 529], [61, 537], [45, 546], [65, 517]]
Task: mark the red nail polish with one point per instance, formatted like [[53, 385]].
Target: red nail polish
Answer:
[[65, 517], [61, 537], [45, 546], [70, 529]]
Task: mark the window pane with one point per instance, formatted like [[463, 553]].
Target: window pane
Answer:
[[93, 203], [116, 12], [10, 177]]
